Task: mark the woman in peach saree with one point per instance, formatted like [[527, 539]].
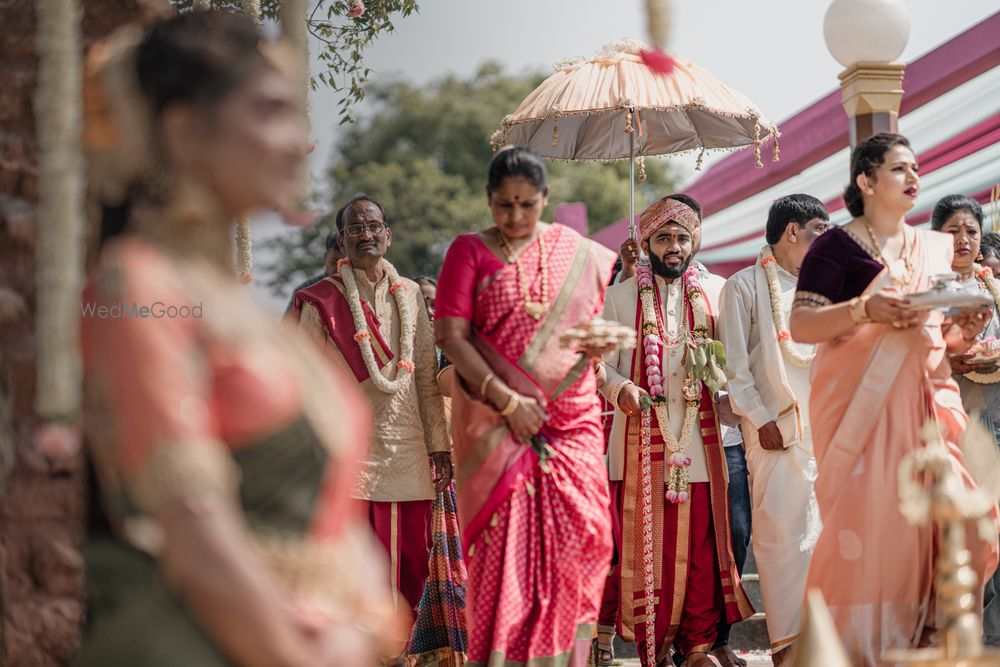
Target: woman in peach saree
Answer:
[[881, 373]]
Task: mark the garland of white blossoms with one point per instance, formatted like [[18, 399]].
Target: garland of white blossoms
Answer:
[[769, 263], [407, 329], [652, 329], [986, 279]]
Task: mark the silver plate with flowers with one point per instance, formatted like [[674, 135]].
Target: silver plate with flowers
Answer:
[[949, 295]]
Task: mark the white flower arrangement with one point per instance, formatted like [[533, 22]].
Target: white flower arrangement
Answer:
[[769, 263]]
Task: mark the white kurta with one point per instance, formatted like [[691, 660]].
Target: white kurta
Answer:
[[620, 304], [764, 386]]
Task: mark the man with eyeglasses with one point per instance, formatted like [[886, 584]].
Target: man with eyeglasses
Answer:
[[375, 324]]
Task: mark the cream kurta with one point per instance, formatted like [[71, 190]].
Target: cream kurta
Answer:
[[410, 423], [765, 386], [620, 302]]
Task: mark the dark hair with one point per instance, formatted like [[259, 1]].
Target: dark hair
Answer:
[[989, 245], [691, 202], [331, 240], [949, 205], [866, 157], [517, 162], [198, 58], [797, 208], [354, 200], [425, 280]]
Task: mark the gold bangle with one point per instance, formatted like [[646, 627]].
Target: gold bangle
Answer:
[[511, 404], [485, 384], [865, 317], [852, 308], [859, 310]]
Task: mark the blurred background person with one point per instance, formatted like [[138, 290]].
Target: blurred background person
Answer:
[[991, 252], [962, 217], [428, 289], [331, 256]]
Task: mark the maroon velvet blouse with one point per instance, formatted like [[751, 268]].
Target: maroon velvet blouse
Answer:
[[837, 268]]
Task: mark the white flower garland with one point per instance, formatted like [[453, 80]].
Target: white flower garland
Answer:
[[407, 329], [769, 263], [652, 329], [986, 279]]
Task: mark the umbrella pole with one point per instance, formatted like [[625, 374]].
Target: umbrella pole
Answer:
[[631, 186]]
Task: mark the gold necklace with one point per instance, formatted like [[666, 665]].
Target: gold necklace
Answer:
[[534, 308], [898, 279]]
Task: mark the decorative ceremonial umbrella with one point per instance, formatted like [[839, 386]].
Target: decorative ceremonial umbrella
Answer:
[[614, 107]]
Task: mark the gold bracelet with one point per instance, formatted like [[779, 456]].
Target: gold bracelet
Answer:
[[485, 384], [865, 317], [515, 398], [859, 310], [853, 310]]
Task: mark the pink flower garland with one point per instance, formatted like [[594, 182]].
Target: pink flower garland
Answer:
[[652, 344], [653, 350]]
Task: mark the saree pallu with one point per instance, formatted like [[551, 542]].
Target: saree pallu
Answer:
[[872, 392], [440, 634], [537, 534]]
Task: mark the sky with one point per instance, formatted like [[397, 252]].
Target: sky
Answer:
[[771, 50]]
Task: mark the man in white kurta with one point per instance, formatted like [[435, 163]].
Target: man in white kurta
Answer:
[[699, 586], [769, 390]]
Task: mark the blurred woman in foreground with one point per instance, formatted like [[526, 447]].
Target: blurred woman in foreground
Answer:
[[223, 474]]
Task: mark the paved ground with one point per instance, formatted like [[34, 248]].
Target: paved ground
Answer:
[[753, 658]]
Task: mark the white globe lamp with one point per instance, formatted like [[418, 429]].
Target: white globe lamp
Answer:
[[869, 31]]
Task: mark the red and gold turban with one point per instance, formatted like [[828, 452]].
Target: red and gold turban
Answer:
[[663, 211]]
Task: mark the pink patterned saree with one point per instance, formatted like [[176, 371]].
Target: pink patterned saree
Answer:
[[535, 529]]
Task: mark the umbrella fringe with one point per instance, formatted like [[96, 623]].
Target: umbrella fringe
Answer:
[[750, 114], [687, 151]]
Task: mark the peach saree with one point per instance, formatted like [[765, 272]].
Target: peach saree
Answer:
[[872, 391]]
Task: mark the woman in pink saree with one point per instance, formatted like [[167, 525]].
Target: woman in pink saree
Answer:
[[881, 373], [533, 492]]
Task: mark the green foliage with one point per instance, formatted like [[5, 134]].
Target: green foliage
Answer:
[[422, 151], [344, 39]]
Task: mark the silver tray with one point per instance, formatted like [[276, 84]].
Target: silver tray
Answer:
[[944, 299]]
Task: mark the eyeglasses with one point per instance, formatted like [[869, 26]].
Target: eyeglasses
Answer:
[[374, 229]]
